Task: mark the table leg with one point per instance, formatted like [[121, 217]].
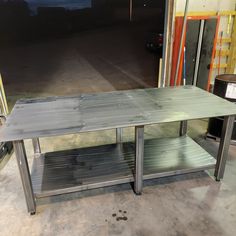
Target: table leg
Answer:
[[183, 128], [36, 146], [139, 142], [224, 146], [25, 175], [119, 133]]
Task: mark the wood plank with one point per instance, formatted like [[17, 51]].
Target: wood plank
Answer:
[[224, 40], [222, 53], [208, 13], [198, 13], [227, 13], [231, 63], [222, 66]]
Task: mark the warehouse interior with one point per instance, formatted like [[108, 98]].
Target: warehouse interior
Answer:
[[101, 48]]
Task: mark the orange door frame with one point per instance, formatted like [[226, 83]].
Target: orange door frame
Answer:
[[178, 27]]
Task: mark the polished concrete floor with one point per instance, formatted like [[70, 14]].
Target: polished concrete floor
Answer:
[[192, 204]]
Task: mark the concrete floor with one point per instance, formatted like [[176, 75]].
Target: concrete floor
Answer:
[[192, 204], [107, 59]]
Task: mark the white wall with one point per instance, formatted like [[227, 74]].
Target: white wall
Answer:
[[212, 5], [206, 5]]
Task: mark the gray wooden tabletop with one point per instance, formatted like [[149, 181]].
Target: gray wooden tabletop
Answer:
[[44, 117]]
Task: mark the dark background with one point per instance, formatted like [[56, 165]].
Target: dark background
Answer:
[[17, 24]]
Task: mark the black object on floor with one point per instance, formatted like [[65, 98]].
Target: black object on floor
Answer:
[[225, 87]]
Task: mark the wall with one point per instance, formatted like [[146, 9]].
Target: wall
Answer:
[[206, 5], [212, 6]]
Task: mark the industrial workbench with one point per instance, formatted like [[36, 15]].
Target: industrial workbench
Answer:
[[86, 168]]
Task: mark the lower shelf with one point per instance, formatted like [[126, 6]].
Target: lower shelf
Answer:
[[86, 168]]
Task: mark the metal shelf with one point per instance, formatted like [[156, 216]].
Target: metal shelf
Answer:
[[86, 168]]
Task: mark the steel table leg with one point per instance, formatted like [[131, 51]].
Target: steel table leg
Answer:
[[25, 175], [183, 128], [36, 146], [224, 146], [139, 142], [119, 133]]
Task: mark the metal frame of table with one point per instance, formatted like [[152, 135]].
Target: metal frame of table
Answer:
[[93, 167]]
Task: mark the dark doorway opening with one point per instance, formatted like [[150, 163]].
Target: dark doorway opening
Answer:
[[60, 50]]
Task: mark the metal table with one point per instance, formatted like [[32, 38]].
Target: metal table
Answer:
[[86, 168]]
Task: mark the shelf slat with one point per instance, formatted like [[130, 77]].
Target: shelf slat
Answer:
[[93, 167]]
